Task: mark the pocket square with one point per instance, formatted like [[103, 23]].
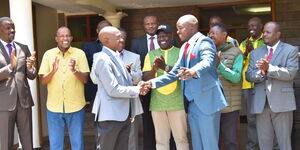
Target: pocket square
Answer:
[[192, 56]]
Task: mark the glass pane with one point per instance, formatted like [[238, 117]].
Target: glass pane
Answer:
[[77, 26], [94, 20]]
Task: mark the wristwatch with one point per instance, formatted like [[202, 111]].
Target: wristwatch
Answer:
[[167, 68]]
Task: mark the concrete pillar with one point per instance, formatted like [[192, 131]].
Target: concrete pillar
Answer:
[[21, 14], [114, 18]]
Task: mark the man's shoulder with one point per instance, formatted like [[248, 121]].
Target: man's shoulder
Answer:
[[139, 39], [20, 44], [131, 53]]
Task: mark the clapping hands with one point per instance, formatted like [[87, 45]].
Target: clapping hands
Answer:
[[30, 61], [263, 65], [145, 87]]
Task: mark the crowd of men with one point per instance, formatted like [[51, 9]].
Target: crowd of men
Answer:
[[155, 86]]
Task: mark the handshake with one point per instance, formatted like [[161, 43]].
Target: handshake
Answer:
[[145, 87]]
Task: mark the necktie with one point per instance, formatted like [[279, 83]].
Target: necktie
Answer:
[[270, 54], [9, 46], [186, 47], [121, 54], [152, 47]]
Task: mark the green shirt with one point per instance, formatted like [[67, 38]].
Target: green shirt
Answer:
[[168, 97]]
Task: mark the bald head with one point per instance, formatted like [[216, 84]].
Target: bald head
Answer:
[[111, 38], [102, 24], [187, 26]]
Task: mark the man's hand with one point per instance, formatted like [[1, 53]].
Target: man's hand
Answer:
[[185, 73], [263, 65], [144, 87], [30, 61], [13, 60], [249, 47], [72, 64], [128, 67], [55, 64], [160, 61]]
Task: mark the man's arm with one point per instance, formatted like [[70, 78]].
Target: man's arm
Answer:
[[253, 74], [234, 74], [136, 72], [104, 73], [46, 78]]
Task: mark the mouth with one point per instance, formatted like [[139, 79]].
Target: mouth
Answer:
[[65, 42], [163, 42], [252, 32]]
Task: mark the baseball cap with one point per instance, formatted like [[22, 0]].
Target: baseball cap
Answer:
[[164, 28]]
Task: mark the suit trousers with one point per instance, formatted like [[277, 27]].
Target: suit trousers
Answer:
[[280, 123], [114, 135], [135, 127], [229, 130], [204, 128], [252, 140], [165, 122], [22, 117]]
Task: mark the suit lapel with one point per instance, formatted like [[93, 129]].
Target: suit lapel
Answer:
[[277, 51], [4, 53], [116, 62]]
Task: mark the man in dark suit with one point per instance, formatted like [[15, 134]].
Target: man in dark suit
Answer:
[[90, 48], [16, 65], [273, 68], [142, 45]]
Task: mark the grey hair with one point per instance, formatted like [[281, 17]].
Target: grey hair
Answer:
[[188, 18], [3, 19]]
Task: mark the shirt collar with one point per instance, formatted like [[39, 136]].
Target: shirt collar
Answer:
[[164, 50], [148, 36], [70, 50], [4, 43], [273, 47], [261, 36], [114, 53], [194, 38]]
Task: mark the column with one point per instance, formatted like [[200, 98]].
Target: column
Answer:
[[21, 14], [114, 18]]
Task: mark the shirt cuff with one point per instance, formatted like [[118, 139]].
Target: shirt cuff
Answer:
[[153, 84]]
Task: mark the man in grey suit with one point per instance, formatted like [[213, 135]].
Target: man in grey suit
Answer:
[[272, 69], [115, 101], [16, 65], [133, 65]]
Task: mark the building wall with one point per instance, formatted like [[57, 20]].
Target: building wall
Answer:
[[133, 23], [287, 14], [45, 29]]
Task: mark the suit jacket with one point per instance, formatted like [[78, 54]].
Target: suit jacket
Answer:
[[116, 93], [135, 71], [14, 85], [277, 85], [90, 48], [140, 46], [205, 90]]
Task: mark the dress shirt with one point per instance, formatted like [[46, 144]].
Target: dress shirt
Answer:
[[65, 91], [156, 46], [273, 47], [6, 48]]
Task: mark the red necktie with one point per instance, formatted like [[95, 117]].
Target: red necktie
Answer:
[[152, 47], [186, 47], [270, 54]]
